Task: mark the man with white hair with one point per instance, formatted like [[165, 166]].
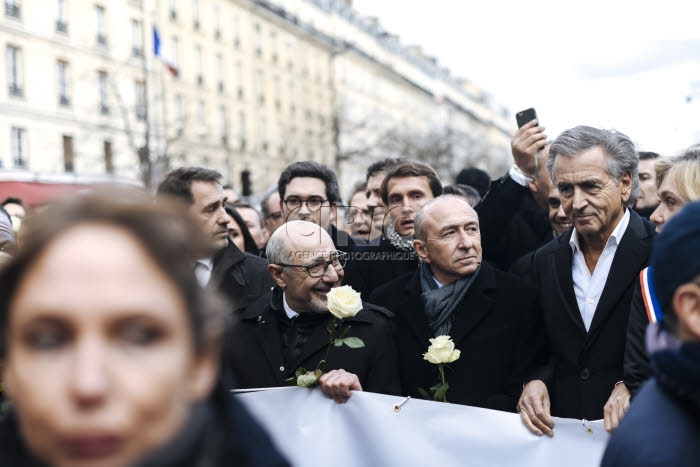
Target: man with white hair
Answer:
[[290, 327]]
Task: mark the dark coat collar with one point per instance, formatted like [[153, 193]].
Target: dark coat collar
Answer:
[[476, 305], [631, 256]]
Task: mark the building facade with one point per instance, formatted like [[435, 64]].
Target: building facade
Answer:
[[249, 86]]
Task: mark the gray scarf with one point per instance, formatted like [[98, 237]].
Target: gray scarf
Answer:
[[399, 242], [441, 302]]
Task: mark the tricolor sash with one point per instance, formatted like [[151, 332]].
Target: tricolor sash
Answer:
[[651, 302]]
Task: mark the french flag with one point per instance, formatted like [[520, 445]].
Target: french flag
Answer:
[[158, 51]]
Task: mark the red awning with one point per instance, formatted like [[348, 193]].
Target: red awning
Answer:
[[36, 193]]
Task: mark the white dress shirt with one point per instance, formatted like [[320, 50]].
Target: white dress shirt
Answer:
[[203, 270], [291, 314], [588, 287]]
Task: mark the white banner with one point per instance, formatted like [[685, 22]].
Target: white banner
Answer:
[[313, 430]]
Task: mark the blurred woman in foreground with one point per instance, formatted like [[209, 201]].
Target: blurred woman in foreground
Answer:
[[110, 347]]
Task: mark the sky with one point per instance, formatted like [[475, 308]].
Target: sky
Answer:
[[615, 64]]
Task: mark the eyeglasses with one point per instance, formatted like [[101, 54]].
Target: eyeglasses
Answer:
[[314, 203], [319, 268]]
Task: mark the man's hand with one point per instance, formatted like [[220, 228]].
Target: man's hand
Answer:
[[533, 408], [615, 408], [527, 141], [337, 384]]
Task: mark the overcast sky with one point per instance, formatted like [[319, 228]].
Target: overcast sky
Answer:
[[616, 64]]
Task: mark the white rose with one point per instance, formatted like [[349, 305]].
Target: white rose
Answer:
[[441, 350], [307, 380], [344, 302]]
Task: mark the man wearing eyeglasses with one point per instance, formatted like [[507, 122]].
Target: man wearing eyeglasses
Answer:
[[289, 327], [309, 192]]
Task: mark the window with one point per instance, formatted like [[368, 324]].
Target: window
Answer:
[[100, 25], [198, 65], [175, 52], [136, 38], [273, 46], [102, 89], [241, 129], [290, 54], [258, 40], [179, 116], [18, 140], [202, 119], [260, 85], [195, 14], [239, 79], [13, 59], [220, 71], [12, 8], [61, 19], [140, 100], [68, 162], [217, 21], [173, 10], [262, 134], [109, 157], [236, 36], [223, 122], [62, 78], [276, 89], [292, 106]]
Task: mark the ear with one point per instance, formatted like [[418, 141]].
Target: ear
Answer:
[[626, 186], [334, 213], [533, 186], [278, 274], [686, 305], [204, 375], [422, 250]]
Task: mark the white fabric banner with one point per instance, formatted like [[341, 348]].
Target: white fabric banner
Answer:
[[312, 430]]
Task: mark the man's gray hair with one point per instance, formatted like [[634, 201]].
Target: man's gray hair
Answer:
[[264, 209], [419, 221], [276, 249], [621, 157]]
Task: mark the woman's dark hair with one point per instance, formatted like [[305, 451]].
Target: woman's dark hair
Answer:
[[248, 243], [164, 230]]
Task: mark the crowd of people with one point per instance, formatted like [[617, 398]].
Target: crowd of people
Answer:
[[570, 286]]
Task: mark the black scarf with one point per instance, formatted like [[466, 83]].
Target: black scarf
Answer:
[[441, 302]]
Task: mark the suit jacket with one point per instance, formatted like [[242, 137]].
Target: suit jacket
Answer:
[[379, 264], [585, 365], [240, 277], [258, 359], [511, 223], [494, 328]]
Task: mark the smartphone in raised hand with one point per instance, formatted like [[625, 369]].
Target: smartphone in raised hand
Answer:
[[525, 116]]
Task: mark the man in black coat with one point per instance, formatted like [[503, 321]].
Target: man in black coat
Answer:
[[489, 314], [240, 277], [513, 214], [309, 192], [585, 280], [291, 327], [406, 187]]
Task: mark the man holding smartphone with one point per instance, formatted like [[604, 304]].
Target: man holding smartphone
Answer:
[[518, 201]]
